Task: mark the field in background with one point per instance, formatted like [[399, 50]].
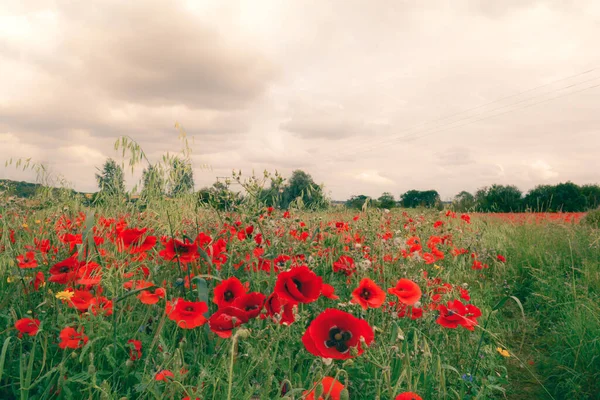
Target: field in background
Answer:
[[103, 284]]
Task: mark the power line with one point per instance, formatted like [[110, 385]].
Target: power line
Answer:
[[477, 120], [358, 145]]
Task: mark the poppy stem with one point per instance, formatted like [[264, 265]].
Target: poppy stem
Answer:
[[477, 358], [234, 340]]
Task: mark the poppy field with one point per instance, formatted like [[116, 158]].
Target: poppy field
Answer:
[[180, 302]]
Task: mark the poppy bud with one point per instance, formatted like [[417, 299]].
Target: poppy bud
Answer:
[[73, 355], [344, 395], [91, 369], [129, 363], [318, 391]]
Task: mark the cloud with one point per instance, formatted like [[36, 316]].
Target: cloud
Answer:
[[541, 170], [373, 177], [454, 157]]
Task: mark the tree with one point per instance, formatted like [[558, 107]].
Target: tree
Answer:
[[220, 197], [302, 189], [181, 177], [357, 202], [110, 179], [386, 200], [592, 196], [154, 183], [568, 198], [539, 199], [499, 198], [418, 198], [464, 201]]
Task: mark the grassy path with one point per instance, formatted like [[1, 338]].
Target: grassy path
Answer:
[[555, 271]]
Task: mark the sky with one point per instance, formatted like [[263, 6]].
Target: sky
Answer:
[[367, 97]]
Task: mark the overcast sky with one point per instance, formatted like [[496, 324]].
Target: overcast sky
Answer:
[[366, 96]]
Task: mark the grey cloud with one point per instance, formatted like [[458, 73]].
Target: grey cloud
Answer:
[[157, 53], [455, 156]]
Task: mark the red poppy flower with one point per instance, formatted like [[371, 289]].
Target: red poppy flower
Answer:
[[329, 291], [414, 243], [89, 274], [187, 314], [72, 240], [176, 249], [42, 245], [455, 313], [65, 271], [226, 319], [28, 326], [27, 260], [368, 294], [102, 305], [72, 339], [151, 296], [135, 352], [227, 291], [428, 258], [478, 265], [251, 303], [408, 396], [407, 291], [299, 285], [135, 240], [466, 218], [412, 312], [280, 261], [281, 310], [344, 264], [164, 375], [334, 332], [332, 390], [81, 300], [501, 258], [202, 240], [217, 252], [39, 280]]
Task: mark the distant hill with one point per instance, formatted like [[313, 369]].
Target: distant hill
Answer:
[[21, 189]]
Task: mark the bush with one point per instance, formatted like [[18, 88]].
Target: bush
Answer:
[[592, 218]]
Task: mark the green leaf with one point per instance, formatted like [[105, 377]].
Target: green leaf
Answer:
[[3, 355]]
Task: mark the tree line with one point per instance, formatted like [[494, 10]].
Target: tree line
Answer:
[[566, 197], [174, 177]]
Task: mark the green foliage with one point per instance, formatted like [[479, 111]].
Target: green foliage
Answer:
[[592, 196], [357, 202], [463, 202], [499, 198], [111, 181], [386, 200], [18, 189], [592, 218], [565, 197], [181, 177], [153, 183], [420, 198], [301, 191], [220, 197]]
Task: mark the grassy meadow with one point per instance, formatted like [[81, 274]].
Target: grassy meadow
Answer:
[[112, 301]]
